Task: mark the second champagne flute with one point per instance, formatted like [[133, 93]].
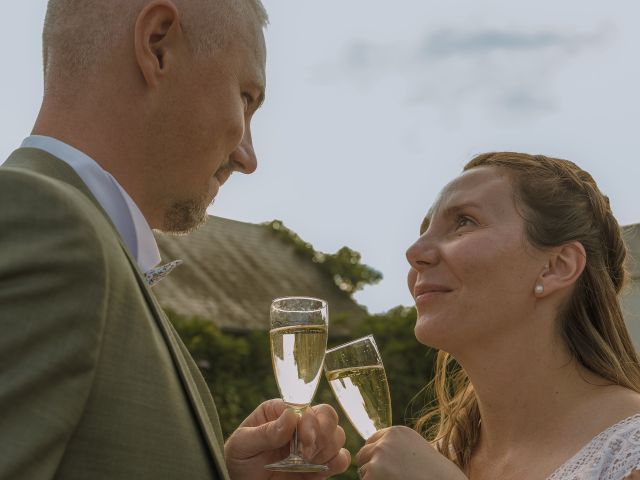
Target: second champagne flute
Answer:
[[358, 380], [298, 343]]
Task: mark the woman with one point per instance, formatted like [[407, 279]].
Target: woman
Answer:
[[516, 277]]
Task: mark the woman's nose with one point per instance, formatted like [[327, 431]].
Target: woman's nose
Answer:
[[422, 253]]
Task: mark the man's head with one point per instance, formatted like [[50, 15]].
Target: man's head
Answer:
[[160, 92], [78, 33]]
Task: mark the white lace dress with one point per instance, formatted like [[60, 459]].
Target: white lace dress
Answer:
[[608, 456]]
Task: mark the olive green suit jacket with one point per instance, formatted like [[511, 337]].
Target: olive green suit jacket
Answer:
[[94, 381]]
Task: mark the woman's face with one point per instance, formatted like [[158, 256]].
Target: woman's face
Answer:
[[473, 271]]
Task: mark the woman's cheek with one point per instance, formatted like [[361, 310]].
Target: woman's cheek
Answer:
[[412, 277]]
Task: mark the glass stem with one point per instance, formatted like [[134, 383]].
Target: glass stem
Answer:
[[293, 448]]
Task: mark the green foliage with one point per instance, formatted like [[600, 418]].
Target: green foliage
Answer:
[[343, 267], [409, 366], [408, 363], [237, 368]]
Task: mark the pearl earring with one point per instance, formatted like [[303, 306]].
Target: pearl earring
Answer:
[[539, 289]]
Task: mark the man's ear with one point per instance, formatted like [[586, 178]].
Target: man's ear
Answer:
[[157, 36], [566, 264]]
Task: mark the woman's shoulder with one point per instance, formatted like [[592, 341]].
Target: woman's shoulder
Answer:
[[610, 455]]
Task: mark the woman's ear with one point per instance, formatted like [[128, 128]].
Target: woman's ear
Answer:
[[565, 265]]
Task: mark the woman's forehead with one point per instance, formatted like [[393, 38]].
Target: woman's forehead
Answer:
[[480, 186]]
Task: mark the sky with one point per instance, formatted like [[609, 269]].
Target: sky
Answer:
[[372, 107]]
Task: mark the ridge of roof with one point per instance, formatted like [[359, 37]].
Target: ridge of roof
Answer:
[[232, 270]]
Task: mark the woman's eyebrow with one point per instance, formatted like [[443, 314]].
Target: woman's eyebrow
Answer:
[[454, 209], [448, 212]]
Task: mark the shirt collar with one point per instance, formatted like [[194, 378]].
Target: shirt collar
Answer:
[[122, 210]]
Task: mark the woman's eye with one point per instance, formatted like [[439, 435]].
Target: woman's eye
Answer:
[[463, 222]]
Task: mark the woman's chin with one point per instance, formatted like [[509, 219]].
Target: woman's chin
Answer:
[[441, 332], [428, 333]]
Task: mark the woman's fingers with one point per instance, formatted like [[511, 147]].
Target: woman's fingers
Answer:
[[365, 454]]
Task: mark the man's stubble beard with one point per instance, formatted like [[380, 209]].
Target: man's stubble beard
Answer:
[[185, 216]]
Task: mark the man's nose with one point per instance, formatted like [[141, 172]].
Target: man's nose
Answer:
[[243, 157]]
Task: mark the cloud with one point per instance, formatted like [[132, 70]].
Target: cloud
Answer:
[[447, 43], [364, 56], [504, 72], [526, 101]]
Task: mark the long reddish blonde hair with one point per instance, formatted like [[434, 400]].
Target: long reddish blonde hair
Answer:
[[559, 203]]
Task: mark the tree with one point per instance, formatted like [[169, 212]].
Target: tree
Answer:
[[344, 266]]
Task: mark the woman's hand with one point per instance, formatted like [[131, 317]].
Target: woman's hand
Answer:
[[401, 453], [633, 475]]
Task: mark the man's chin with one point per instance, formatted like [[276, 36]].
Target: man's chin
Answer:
[[186, 216], [214, 188]]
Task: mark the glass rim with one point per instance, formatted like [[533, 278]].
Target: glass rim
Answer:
[[323, 304], [357, 340]]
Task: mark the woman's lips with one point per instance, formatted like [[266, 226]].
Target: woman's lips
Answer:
[[428, 292]]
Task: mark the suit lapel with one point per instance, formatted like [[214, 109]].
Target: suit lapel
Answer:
[[42, 162], [187, 379]]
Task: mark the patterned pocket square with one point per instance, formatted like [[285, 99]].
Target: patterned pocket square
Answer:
[[154, 275]]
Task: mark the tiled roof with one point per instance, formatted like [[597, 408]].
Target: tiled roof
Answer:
[[631, 234], [232, 270]]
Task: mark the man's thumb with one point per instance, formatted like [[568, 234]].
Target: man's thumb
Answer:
[[248, 442]]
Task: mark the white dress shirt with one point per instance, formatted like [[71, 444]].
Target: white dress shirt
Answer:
[[122, 210]]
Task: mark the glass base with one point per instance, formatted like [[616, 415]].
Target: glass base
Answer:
[[295, 463]]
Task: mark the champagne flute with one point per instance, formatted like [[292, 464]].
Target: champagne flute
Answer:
[[298, 342], [358, 380]]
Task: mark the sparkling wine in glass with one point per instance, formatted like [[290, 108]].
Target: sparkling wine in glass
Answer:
[[358, 380], [298, 338]]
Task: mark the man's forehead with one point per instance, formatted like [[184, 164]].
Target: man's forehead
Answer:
[[246, 53], [255, 47], [261, 60]]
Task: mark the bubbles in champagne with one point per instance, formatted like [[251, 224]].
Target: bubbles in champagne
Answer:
[[297, 353], [363, 393]]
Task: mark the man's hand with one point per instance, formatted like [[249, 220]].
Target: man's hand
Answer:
[[264, 438]]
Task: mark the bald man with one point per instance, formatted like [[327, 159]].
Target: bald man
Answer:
[[146, 113]]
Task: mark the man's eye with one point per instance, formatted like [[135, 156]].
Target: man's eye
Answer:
[[248, 100]]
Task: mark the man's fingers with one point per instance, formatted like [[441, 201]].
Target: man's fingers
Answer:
[[266, 412], [329, 438], [337, 465], [319, 420], [340, 462], [324, 410], [317, 432], [328, 447], [247, 442]]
